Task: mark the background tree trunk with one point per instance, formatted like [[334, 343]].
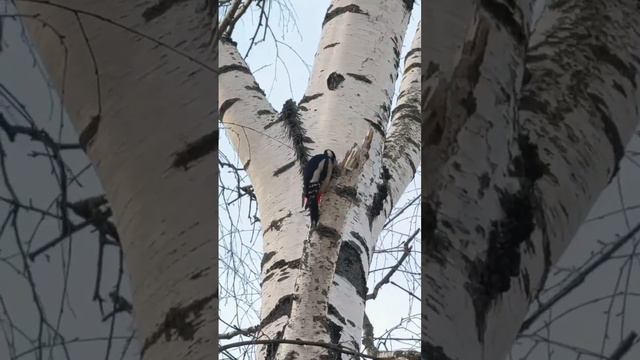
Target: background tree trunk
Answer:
[[499, 214], [145, 112]]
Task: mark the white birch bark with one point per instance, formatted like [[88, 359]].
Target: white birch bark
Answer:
[[509, 210], [314, 287], [152, 138]]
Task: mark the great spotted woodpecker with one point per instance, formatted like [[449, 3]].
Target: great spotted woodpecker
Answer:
[[316, 179]]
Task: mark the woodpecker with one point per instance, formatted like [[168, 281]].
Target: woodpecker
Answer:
[[316, 179]]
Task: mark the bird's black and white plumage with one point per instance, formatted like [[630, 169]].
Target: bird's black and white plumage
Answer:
[[316, 179]]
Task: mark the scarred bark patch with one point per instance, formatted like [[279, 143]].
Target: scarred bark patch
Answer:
[[181, 321], [195, 150], [334, 80], [347, 192]]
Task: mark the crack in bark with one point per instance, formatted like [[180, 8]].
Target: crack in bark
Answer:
[[195, 150], [377, 127]]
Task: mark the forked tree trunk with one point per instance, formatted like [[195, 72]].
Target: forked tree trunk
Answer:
[[314, 283], [152, 138], [499, 213]]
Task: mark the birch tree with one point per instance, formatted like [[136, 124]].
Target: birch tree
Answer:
[[314, 282], [523, 130], [137, 80]]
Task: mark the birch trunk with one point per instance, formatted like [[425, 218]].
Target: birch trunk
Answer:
[[500, 213], [314, 283], [148, 127]]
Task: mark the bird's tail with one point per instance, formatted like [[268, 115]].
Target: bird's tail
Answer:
[[314, 210]]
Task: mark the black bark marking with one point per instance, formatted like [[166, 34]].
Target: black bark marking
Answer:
[[195, 150], [159, 8], [350, 267], [284, 168], [200, 273], [266, 257], [358, 77], [432, 352], [327, 232], [233, 67], [611, 132], [362, 242], [334, 80], [408, 4], [89, 132], [282, 308], [335, 332], [505, 16], [282, 264], [347, 192], [411, 52], [432, 68], [484, 180], [604, 54], [176, 322], [331, 45], [290, 118], [264, 112], [307, 98], [225, 106], [277, 223], [255, 88], [272, 348], [331, 310], [377, 127], [437, 245], [412, 66], [333, 13], [380, 196], [490, 277]]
